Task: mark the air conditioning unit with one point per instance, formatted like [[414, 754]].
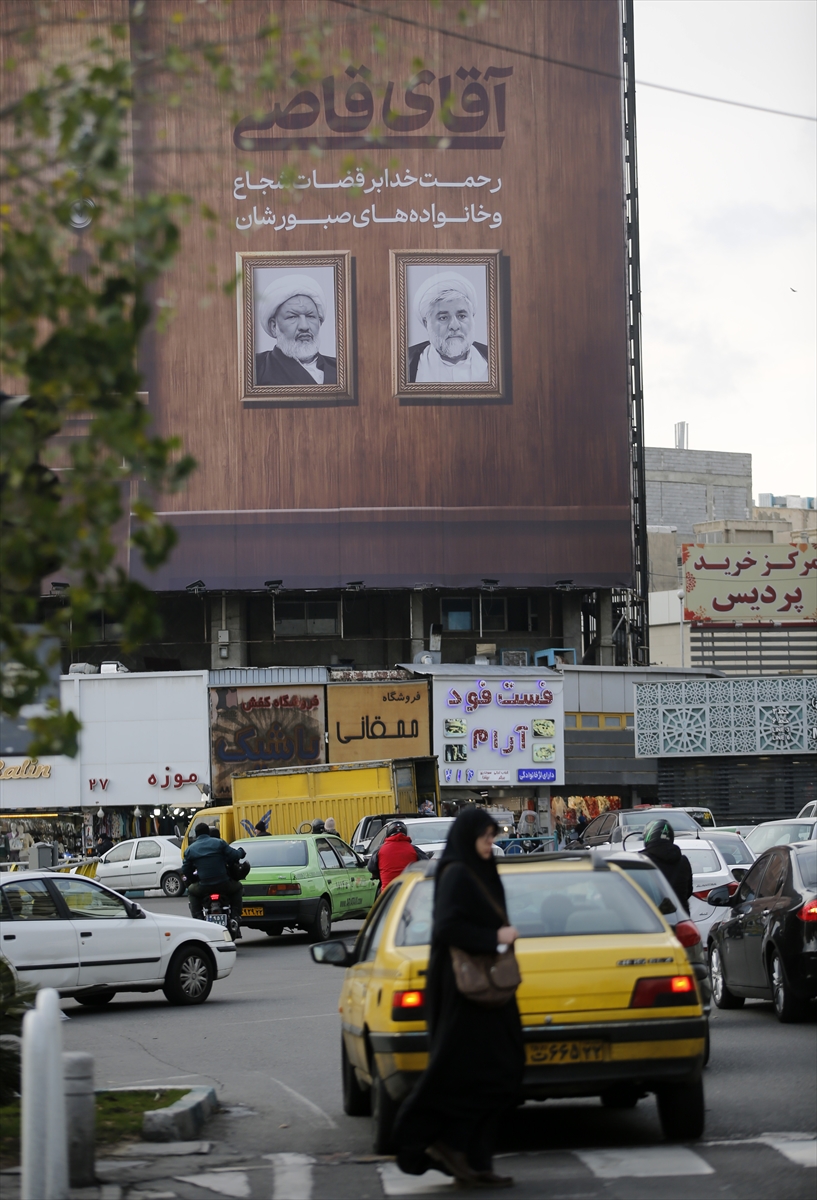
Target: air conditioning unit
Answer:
[[82, 669], [513, 658], [113, 668]]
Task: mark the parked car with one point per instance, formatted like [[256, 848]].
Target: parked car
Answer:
[[305, 881], [623, 1012], [808, 810], [73, 934], [143, 863], [765, 944], [615, 826], [654, 882], [777, 833]]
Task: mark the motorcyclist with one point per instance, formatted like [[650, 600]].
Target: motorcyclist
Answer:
[[660, 848], [395, 853], [210, 857]]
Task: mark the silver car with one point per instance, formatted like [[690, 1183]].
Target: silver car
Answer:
[[142, 864], [781, 833]]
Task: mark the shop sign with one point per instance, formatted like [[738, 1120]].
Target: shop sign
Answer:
[[371, 721], [497, 730], [750, 583], [252, 728], [29, 768]]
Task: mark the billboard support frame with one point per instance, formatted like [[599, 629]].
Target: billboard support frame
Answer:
[[640, 626]]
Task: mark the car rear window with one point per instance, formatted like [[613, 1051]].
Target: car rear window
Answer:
[[702, 861], [733, 849], [424, 832], [807, 862], [268, 852], [765, 836], [414, 926], [575, 904]]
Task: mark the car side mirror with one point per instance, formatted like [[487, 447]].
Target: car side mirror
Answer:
[[135, 911], [719, 896], [738, 873], [335, 953], [666, 906]]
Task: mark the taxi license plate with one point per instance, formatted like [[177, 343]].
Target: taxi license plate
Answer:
[[543, 1054], [256, 911]]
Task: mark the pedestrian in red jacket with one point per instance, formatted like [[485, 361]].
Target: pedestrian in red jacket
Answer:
[[395, 853]]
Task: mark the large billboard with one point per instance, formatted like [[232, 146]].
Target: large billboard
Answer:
[[423, 377], [750, 583]]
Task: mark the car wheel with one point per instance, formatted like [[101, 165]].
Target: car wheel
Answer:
[[96, 999], [384, 1111], [357, 1101], [720, 992], [681, 1110], [172, 884], [621, 1097], [190, 976], [273, 930], [321, 928], [788, 1007]]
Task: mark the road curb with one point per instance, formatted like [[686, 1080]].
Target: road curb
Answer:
[[183, 1120]]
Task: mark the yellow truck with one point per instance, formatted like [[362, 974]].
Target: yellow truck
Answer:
[[346, 791]]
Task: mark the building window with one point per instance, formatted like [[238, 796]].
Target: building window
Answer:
[[307, 618], [457, 615], [494, 614]]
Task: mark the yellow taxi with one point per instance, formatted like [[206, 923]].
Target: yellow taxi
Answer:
[[609, 1004]]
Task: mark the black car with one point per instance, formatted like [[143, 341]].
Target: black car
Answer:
[[614, 826], [765, 945]]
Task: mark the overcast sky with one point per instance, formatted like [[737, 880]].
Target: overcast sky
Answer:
[[728, 230]]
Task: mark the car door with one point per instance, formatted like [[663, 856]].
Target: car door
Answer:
[[113, 869], [761, 912], [335, 876], [362, 886], [146, 864], [113, 946], [734, 924], [358, 980], [37, 939]]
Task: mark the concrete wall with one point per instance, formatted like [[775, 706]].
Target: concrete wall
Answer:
[[685, 486]]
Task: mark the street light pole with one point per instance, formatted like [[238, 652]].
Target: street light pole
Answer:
[[681, 623]]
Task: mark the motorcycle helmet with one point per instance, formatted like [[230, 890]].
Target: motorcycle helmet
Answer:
[[659, 831], [318, 826], [396, 827]]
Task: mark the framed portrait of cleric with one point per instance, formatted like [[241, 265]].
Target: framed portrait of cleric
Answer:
[[294, 327], [446, 317]]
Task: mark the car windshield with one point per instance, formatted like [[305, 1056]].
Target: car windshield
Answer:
[[734, 850], [673, 816], [807, 862], [575, 904], [423, 832], [764, 836], [702, 861], [269, 852], [703, 816]]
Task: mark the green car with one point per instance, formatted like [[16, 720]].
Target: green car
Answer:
[[305, 881]]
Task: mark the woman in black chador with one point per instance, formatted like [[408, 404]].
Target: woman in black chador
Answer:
[[476, 1055]]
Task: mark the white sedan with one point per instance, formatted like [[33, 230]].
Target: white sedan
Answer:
[[70, 933], [141, 864]]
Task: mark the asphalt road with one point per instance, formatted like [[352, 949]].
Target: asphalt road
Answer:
[[268, 1039]]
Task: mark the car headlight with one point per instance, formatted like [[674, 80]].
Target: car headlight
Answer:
[[225, 937]]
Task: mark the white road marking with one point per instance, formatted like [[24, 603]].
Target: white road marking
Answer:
[[292, 1176], [643, 1162], [396, 1183], [802, 1152], [324, 1119], [234, 1183]]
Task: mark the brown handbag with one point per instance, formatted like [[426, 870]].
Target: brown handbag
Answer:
[[487, 979]]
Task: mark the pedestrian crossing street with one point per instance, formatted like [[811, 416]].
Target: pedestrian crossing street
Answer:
[[664, 1172]]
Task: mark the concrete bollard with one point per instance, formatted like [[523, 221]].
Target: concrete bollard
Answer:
[[44, 1138], [80, 1112]]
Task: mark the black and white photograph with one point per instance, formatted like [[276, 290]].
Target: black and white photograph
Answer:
[[445, 324], [294, 327]]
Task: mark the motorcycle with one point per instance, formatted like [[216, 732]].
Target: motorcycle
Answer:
[[216, 909]]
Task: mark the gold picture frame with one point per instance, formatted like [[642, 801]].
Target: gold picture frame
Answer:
[[417, 372], [267, 376]]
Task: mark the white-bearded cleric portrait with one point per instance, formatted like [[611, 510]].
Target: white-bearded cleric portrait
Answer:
[[292, 310], [447, 305]]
